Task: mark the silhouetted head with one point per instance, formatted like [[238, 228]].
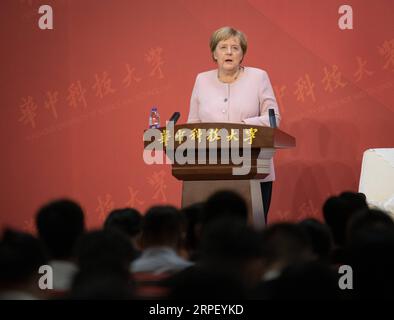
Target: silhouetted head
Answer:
[[161, 226], [21, 256], [367, 221], [338, 210], [126, 220], [60, 224], [225, 204]]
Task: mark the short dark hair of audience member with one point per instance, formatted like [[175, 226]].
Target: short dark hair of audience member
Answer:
[[338, 210], [225, 204], [320, 237], [127, 220], [108, 250], [235, 248], [193, 216], [21, 256], [285, 244], [60, 224], [370, 254], [369, 220], [161, 226], [101, 285], [305, 281]]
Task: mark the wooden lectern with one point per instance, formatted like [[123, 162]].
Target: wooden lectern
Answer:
[[203, 173]]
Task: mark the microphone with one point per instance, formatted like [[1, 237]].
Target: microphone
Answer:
[[272, 118], [175, 117]]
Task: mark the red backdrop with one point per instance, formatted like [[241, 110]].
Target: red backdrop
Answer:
[[75, 100]]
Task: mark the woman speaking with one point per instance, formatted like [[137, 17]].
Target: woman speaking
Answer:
[[234, 93]]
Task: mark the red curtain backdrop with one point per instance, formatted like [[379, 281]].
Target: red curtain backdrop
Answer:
[[75, 100]]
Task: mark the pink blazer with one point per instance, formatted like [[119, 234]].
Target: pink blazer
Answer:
[[245, 100]]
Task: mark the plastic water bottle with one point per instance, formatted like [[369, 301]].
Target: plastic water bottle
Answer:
[[154, 118]]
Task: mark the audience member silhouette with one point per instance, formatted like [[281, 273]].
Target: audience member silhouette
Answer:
[[128, 221], [337, 211], [21, 256], [161, 237], [225, 204], [59, 224]]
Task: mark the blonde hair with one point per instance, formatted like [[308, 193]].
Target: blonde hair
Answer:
[[225, 33]]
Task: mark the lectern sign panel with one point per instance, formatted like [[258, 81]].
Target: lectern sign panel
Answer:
[[220, 150], [213, 134]]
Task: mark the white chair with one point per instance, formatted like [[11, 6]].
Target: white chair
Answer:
[[377, 178]]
